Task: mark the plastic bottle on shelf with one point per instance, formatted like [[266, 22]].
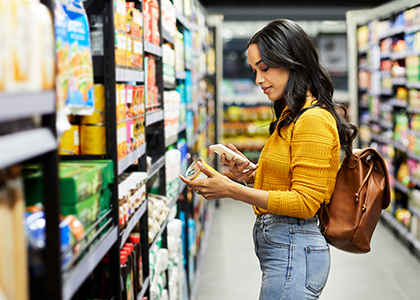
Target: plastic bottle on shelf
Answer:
[[135, 240], [123, 274], [134, 268], [128, 280]]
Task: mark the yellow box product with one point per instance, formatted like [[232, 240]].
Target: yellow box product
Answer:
[[70, 141], [93, 139], [98, 116], [120, 102]]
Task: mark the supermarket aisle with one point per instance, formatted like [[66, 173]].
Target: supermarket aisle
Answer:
[[230, 269]]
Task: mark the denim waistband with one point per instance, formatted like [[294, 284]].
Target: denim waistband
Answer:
[[273, 218]]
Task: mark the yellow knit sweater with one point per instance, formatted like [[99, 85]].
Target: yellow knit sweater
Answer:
[[299, 172]]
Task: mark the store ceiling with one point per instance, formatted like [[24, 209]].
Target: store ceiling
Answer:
[[292, 9]]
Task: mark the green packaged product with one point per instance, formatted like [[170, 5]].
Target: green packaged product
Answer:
[[87, 211], [78, 181]]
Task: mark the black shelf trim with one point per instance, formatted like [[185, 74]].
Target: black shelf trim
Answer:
[[133, 221], [26, 105]]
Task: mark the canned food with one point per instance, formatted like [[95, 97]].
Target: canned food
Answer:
[[93, 139], [98, 116], [194, 172], [70, 142]]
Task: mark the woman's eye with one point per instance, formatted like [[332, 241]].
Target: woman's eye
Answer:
[[265, 70]]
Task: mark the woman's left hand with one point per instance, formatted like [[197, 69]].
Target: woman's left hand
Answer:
[[216, 186]]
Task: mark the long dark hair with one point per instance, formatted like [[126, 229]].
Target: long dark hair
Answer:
[[283, 43]]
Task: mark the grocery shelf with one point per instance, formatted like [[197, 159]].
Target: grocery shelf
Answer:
[[23, 105], [171, 140], [398, 81], [398, 145], [156, 167], [132, 223], [188, 65], [24, 145], [180, 74], [413, 156], [386, 92], [78, 275], [414, 210], [152, 49], [154, 117], [162, 228], [414, 110], [127, 161], [183, 20], [398, 55], [402, 232], [192, 106], [144, 288], [415, 181], [413, 85], [182, 127], [128, 75], [401, 187], [398, 103], [380, 139], [167, 36]]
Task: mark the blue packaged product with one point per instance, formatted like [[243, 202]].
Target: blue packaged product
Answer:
[[80, 93], [183, 237], [191, 249]]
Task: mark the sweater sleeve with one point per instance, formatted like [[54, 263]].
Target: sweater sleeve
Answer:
[[313, 139]]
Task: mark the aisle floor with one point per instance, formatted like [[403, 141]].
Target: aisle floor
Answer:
[[230, 269]]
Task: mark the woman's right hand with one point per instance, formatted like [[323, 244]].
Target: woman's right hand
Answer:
[[239, 173]]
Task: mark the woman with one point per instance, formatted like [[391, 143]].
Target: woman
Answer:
[[297, 168]]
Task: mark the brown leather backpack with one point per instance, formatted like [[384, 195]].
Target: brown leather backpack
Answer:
[[361, 192]]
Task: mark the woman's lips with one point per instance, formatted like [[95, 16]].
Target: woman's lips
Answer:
[[267, 89]]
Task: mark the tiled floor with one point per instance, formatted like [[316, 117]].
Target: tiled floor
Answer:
[[230, 269]]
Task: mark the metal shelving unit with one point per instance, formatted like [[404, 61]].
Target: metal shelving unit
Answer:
[[64, 282], [386, 99]]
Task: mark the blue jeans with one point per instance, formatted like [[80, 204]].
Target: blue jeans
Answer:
[[294, 257]]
